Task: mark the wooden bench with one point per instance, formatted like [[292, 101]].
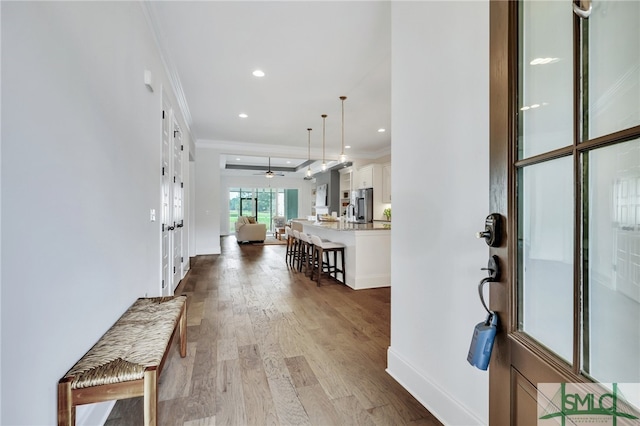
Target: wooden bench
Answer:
[[127, 360]]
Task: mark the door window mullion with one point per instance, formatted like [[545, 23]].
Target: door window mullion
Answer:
[[581, 206]]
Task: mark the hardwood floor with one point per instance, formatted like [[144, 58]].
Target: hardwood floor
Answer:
[[268, 347]]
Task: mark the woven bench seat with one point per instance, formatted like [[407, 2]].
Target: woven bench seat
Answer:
[[127, 360]]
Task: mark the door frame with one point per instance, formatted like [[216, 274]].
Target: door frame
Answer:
[[173, 227]]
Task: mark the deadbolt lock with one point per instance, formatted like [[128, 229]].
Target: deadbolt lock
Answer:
[[492, 233]]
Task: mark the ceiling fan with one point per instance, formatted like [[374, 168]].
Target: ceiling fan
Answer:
[[270, 174]]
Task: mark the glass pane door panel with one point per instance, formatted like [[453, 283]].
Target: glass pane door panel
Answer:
[[614, 67], [266, 206], [545, 96], [234, 207], [291, 203], [545, 254], [248, 205], [612, 333]]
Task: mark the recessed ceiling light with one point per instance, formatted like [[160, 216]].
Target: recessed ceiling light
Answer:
[[381, 130], [238, 159], [347, 146], [258, 73], [243, 115]]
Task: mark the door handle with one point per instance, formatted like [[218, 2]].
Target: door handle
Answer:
[[484, 333], [493, 266], [170, 228]]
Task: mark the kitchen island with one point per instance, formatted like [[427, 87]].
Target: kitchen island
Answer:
[[367, 252]]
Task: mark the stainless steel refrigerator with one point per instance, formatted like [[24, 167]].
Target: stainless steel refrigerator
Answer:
[[362, 200]]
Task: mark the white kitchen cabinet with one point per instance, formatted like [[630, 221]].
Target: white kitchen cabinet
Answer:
[[386, 183], [368, 176]]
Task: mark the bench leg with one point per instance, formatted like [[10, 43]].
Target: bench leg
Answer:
[[151, 397], [66, 410], [183, 332]]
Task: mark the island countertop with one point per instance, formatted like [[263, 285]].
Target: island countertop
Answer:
[[367, 249], [348, 226]]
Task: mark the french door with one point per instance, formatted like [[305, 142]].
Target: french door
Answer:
[[565, 176], [262, 203], [172, 203], [178, 208]]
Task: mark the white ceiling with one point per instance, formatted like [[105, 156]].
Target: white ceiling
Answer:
[[312, 52]]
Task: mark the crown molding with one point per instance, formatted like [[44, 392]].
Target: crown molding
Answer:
[[169, 68]]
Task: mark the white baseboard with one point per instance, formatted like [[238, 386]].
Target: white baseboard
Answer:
[[439, 403], [94, 414], [208, 250], [369, 281]]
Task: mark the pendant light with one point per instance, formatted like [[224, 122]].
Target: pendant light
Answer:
[[343, 157], [308, 176], [324, 164]]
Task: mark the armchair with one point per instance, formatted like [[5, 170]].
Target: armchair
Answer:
[[278, 226]]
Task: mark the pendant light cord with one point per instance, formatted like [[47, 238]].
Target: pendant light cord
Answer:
[[309, 154], [324, 164], [342, 156]]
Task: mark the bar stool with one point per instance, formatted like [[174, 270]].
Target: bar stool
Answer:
[[321, 263], [288, 237], [306, 252], [295, 248]]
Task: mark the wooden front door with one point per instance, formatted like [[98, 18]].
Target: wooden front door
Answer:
[[565, 177]]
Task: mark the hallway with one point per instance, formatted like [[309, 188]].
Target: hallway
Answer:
[[268, 347]]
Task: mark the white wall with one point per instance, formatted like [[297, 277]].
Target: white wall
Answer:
[[207, 196], [440, 100], [192, 210], [81, 143]]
